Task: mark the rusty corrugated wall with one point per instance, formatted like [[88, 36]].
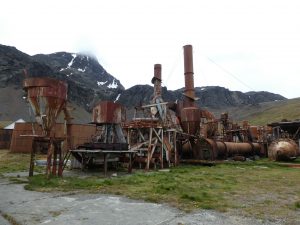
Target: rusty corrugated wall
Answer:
[[80, 133]]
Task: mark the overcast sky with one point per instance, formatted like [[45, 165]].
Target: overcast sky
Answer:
[[245, 45]]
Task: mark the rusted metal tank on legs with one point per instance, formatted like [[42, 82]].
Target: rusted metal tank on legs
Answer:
[[47, 97]]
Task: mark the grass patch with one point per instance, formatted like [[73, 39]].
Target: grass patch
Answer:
[[15, 162], [261, 188], [297, 205], [221, 187]]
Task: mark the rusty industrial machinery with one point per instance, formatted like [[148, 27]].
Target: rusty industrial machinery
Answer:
[[151, 132], [47, 98], [109, 144], [189, 113], [285, 140], [201, 137], [283, 149]]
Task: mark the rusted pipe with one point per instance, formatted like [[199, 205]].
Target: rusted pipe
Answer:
[[244, 149], [209, 149]]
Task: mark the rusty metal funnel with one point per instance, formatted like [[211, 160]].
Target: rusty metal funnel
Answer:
[[47, 98]]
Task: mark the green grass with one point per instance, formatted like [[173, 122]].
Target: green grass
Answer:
[[15, 162], [223, 187], [288, 109], [261, 188], [11, 162], [264, 113]]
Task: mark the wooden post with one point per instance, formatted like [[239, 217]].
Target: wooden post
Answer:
[[105, 163], [54, 163], [175, 148], [130, 163], [149, 149], [162, 150], [32, 157], [60, 165], [49, 158]]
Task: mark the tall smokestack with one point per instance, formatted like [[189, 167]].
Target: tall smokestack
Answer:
[[189, 114], [189, 91], [156, 80]]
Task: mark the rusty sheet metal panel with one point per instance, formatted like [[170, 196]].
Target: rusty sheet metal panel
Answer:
[[5, 138], [283, 149], [108, 112], [80, 133], [190, 120], [254, 132], [23, 144], [46, 87]]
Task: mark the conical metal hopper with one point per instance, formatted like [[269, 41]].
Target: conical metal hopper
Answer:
[[47, 97]]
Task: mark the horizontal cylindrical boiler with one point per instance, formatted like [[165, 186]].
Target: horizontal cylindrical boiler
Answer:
[[209, 149]]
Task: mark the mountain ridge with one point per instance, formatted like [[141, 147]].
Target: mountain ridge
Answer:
[[89, 83]]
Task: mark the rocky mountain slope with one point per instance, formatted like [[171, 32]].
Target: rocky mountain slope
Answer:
[[88, 83], [212, 97]]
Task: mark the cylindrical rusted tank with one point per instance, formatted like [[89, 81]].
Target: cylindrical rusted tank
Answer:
[[244, 149], [209, 149], [108, 112], [190, 120], [283, 149]]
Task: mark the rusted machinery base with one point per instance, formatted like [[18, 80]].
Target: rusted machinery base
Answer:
[[54, 152], [84, 156]]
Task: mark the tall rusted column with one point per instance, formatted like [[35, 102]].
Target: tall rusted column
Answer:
[[189, 91], [190, 113], [156, 80]]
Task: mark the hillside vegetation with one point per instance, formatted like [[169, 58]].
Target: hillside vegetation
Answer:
[[264, 113]]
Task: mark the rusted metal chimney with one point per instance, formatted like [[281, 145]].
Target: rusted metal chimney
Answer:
[[156, 80], [190, 113], [189, 91]]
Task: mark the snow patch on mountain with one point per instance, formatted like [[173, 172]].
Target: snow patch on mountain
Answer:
[[113, 85], [101, 83], [117, 98], [71, 62], [81, 70]]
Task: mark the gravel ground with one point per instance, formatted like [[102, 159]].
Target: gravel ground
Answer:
[[29, 207]]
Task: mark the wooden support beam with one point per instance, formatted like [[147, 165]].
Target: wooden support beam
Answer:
[[32, 158], [149, 149]]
